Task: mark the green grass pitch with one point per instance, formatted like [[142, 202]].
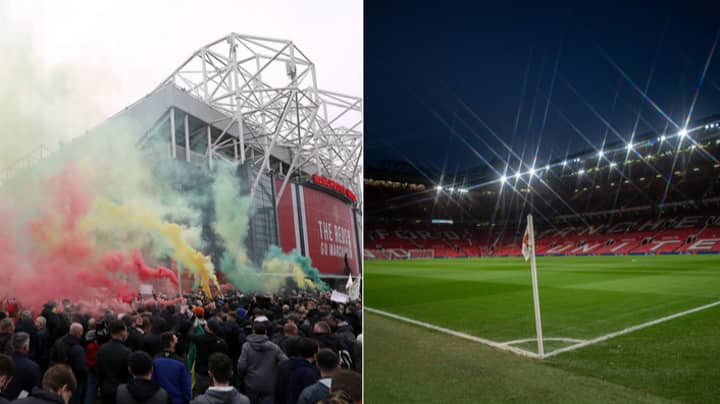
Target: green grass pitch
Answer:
[[581, 298]]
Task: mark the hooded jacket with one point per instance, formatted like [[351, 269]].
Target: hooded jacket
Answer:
[[141, 391], [214, 396], [258, 364]]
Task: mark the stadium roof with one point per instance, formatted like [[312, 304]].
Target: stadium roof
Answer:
[[271, 86]]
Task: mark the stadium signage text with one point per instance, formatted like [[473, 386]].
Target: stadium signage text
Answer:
[[333, 186], [335, 241]]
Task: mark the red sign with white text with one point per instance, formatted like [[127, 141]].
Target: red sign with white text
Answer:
[[330, 230]]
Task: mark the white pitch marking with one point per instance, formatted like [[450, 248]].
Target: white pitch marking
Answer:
[[458, 334], [631, 329], [520, 341]]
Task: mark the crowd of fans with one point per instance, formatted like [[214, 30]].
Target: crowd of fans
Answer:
[[286, 348]]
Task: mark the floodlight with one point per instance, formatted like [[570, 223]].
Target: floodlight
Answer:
[[452, 189], [662, 138], [564, 163], [532, 171], [547, 167], [613, 164], [438, 188], [600, 154], [581, 171], [503, 179], [630, 146], [683, 133], [517, 175]]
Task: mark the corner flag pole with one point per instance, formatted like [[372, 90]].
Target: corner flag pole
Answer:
[[536, 295]]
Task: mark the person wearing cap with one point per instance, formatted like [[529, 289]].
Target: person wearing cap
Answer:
[[27, 373], [258, 365], [207, 343], [141, 390]]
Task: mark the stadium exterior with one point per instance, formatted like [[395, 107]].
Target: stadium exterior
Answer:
[[255, 101]]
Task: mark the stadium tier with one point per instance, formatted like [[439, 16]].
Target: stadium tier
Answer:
[[659, 195], [686, 234]]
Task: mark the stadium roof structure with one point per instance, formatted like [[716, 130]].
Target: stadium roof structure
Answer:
[[271, 87], [247, 99]]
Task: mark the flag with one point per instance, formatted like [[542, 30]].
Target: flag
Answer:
[[527, 249], [349, 283], [354, 292]]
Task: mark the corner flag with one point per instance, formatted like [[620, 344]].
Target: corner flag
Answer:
[[526, 247], [528, 251]]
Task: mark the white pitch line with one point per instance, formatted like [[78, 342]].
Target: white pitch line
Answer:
[[520, 341], [458, 334], [630, 329]]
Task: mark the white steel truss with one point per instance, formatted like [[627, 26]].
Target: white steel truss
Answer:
[[270, 86]]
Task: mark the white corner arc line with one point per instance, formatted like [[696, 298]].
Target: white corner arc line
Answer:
[[520, 341], [631, 329], [458, 334]]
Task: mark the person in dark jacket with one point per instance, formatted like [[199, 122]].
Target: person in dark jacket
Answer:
[[7, 371], [92, 346], [26, 324], [112, 362], [170, 373], [288, 338], [220, 368], [134, 340], [207, 344], [42, 354], [68, 350], [326, 339], [258, 365], [7, 329], [141, 390], [58, 383], [27, 372], [328, 363], [297, 373]]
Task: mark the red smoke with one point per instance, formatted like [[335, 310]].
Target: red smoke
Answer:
[[49, 257]]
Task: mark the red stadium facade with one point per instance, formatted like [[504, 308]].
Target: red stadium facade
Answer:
[[321, 225]]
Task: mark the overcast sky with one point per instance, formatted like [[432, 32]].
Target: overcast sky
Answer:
[[126, 48]]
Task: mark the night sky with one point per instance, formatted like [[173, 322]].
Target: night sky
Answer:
[[434, 71]]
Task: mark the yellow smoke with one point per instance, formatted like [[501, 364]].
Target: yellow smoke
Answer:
[[283, 266], [106, 215]]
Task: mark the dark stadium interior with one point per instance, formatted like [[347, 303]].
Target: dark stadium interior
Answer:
[[660, 178]]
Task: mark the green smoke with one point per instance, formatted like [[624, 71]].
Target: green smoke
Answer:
[[233, 210]]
